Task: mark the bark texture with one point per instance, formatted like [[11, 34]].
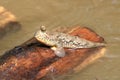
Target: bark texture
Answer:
[[35, 61]]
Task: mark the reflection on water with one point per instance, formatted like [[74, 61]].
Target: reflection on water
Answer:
[[103, 16]]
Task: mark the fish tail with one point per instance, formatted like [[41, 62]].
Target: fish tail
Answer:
[[100, 44]]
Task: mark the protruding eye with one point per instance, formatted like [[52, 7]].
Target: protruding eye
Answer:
[[43, 28]]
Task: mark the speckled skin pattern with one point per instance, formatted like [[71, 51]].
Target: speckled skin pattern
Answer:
[[60, 40]]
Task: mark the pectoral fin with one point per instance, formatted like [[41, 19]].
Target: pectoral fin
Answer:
[[59, 51]]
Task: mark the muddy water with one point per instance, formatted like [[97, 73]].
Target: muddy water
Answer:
[[103, 16]]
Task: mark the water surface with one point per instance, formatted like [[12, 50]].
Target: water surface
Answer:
[[103, 16]]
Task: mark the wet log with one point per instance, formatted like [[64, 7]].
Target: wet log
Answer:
[[8, 22], [35, 61]]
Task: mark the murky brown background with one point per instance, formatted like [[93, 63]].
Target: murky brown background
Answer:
[[103, 16]]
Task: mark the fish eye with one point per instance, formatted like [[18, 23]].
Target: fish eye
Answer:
[[43, 28]]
